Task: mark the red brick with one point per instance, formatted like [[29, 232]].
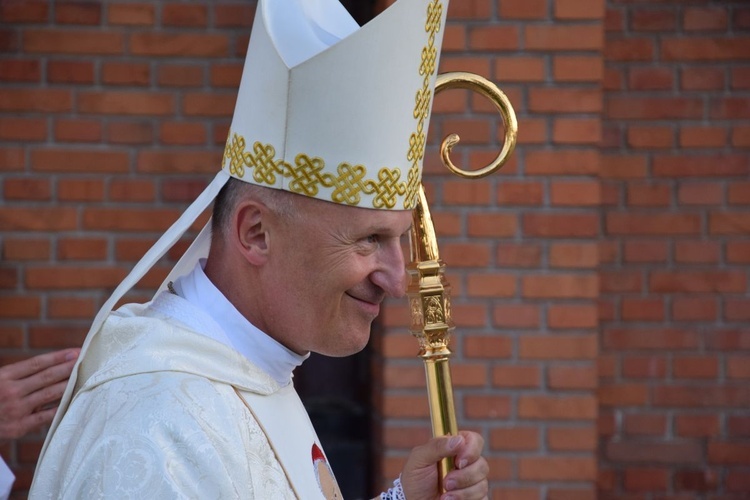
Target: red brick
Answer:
[[695, 165], [126, 103], [492, 347], [682, 396], [705, 19], [705, 49], [178, 45], [60, 160], [513, 193], [629, 49], [80, 190], [649, 339], [644, 367], [20, 70], [571, 438], [697, 425], [26, 249], [563, 377], [562, 162], [128, 219], [653, 20], [702, 78], [215, 105], [729, 223], [492, 225], [41, 100], [557, 468], [178, 75], [52, 41], [515, 439], [82, 249], [650, 137], [695, 367], [556, 408], [697, 281], [51, 337], [226, 75], [652, 224], [465, 255], [728, 453], [642, 309], [573, 9], [26, 307], [126, 73], [738, 252], [572, 316], [178, 162], [737, 309], [138, 132], [63, 71], [694, 309], [563, 37], [515, 255], [131, 14], [84, 13], [651, 108], [182, 133], [66, 278], [730, 108], [650, 78], [466, 193], [738, 425], [174, 14], [234, 15], [649, 195], [558, 347], [516, 376], [560, 225], [516, 316], [27, 189], [495, 38], [738, 367], [564, 100], [654, 452], [577, 131], [697, 252], [739, 193], [11, 338], [532, 9], [491, 285], [479, 406], [132, 190], [703, 193], [646, 479], [24, 12], [644, 425], [583, 68], [645, 251], [37, 219], [77, 130], [70, 308]]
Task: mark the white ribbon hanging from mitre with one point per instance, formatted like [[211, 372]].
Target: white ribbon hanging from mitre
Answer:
[[325, 109]]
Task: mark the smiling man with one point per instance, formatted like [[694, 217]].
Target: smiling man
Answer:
[[190, 395]]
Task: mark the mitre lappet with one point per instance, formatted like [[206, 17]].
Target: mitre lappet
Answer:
[[325, 109]]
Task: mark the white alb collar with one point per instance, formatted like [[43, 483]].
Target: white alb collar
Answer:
[[260, 349]]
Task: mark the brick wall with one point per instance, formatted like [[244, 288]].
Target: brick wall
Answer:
[[521, 249], [616, 237], [675, 344]]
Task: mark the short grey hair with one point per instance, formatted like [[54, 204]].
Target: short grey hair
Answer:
[[281, 202]]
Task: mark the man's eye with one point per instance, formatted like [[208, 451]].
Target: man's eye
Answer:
[[373, 239]]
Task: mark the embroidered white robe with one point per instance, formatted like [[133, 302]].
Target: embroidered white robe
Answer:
[[158, 414]]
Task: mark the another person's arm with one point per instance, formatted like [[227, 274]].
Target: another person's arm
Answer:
[[30, 389]]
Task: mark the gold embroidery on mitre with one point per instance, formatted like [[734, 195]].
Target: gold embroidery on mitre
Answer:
[[427, 69], [308, 174]]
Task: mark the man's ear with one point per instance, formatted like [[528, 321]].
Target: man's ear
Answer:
[[250, 224]]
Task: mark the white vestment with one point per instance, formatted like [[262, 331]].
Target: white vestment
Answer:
[[162, 411]]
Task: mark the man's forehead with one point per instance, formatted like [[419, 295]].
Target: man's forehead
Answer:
[[385, 221]]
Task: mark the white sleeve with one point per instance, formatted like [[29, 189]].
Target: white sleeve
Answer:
[[6, 480]]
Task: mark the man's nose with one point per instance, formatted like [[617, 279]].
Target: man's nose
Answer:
[[391, 274]]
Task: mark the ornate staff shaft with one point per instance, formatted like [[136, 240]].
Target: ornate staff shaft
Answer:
[[429, 291]]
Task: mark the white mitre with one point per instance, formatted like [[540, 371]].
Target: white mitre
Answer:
[[325, 109]]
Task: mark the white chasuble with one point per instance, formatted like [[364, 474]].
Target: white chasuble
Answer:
[[161, 411]]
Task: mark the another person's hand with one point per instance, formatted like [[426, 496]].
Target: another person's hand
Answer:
[[468, 481], [29, 388]]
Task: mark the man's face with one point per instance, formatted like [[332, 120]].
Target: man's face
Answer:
[[329, 269]]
